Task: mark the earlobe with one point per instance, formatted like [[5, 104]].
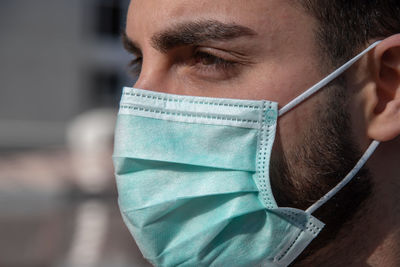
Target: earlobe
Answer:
[[384, 124]]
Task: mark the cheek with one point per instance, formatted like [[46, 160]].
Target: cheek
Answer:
[[279, 81], [295, 124]]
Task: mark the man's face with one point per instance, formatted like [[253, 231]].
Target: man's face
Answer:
[[270, 55], [258, 49]]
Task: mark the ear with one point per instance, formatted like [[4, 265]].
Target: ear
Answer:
[[384, 122]]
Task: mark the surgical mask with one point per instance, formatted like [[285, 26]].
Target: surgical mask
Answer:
[[193, 180]]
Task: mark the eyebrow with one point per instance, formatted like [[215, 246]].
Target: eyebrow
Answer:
[[130, 45], [192, 33]]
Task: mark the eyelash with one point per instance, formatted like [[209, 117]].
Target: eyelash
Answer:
[[209, 62], [203, 61], [135, 66]]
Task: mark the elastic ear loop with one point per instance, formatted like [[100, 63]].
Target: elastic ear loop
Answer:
[[372, 147], [324, 81]]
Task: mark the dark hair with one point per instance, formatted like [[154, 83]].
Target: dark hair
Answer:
[[346, 26]]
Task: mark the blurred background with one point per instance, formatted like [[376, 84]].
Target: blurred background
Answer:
[[62, 68]]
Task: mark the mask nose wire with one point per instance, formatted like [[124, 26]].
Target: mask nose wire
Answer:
[[371, 149], [324, 81]]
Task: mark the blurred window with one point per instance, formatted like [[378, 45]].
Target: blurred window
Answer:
[[109, 16], [105, 88]]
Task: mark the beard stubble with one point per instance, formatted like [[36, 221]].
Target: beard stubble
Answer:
[[325, 154]]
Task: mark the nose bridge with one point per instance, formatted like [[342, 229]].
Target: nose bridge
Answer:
[[147, 82], [153, 73]]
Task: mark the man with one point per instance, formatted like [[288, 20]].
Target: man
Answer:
[[275, 50]]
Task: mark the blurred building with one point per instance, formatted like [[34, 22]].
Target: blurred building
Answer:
[[62, 67], [58, 58]]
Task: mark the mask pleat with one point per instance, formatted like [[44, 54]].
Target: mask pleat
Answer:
[[179, 142], [192, 215], [147, 190], [193, 181]]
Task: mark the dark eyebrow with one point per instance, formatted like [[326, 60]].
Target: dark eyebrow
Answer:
[[129, 45], [193, 33]]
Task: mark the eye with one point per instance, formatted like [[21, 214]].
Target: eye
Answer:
[[210, 61], [135, 66], [214, 64]]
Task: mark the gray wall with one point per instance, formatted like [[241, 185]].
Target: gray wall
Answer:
[[50, 58]]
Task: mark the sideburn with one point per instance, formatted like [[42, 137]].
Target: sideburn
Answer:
[[325, 155]]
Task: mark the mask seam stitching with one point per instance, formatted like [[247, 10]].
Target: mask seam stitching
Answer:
[[124, 106], [261, 159], [310, 228], [191, 102], [287, 249]]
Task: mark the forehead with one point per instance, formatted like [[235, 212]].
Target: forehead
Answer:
[[275, 17]]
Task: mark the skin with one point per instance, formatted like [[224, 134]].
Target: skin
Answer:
[[280, 61]]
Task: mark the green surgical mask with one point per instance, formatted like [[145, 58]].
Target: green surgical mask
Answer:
[[193, 180]]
